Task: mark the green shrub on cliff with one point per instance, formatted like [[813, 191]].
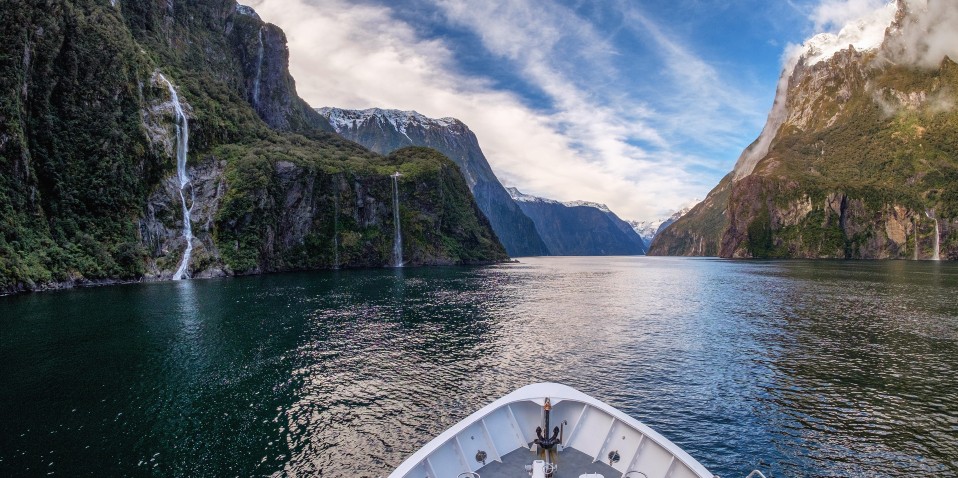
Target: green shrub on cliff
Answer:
[[881, 138], [78, 161]]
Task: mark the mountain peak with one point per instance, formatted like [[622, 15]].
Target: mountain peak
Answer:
[[523, 197], [866, 33], [579, 228], [520, 196], [599, 206], [385, 131], [862, 34], [343, 119], [648, 229], [247, 10]]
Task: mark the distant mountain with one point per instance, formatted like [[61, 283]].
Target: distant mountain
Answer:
[[858, 157], [579, 228], [385, 131], [647, 230]]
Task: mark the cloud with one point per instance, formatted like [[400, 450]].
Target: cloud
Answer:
[[927, 35], [832, 15], [593, 142], [860, 23], [700, 99]]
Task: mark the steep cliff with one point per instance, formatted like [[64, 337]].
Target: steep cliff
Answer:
[[261, 49], [580, 228], [385, 131], [859, 158], [99, 100]]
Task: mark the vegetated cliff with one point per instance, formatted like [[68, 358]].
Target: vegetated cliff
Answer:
[[384, 131], [88, 139], [580, 228], [698, 232], [861, 160]]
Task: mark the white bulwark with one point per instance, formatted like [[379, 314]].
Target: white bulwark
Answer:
[[594, 440]]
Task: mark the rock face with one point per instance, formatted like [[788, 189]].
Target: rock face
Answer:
[[384, 131], [858, 159], [580, 228], [89, 193], [261, 47]]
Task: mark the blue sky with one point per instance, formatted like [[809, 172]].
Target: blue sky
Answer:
[[642, 105]]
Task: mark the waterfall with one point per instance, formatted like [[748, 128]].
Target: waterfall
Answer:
[[182, 148], [259, 70], [936, 256], [336, 231], [397, 242], [914, 224]]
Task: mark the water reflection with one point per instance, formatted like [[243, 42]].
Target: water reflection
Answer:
[[860, 376], [804, 369]]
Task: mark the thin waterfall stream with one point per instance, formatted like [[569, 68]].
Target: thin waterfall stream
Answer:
[[397, 242], [259, 70], [336, 230], [936, 246], [182, 149], [914, 224]]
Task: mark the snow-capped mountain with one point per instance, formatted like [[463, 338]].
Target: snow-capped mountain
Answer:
[[601, 207], [384, 131], [521, 196], [865, 34], [344, 120], [857, 157], [647, 230]]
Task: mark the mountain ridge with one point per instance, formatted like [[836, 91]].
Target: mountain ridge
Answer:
[[385, 130], [579, 228], [860, 159]]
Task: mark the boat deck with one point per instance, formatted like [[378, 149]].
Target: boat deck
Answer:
[[571, 464]]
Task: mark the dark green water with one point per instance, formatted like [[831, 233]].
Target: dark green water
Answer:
[[798, 368]]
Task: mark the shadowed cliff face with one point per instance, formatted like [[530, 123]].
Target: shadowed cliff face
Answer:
[[581, 231], [580, 228], [863, 165], [384, 131], [88, 136], [261, 47]]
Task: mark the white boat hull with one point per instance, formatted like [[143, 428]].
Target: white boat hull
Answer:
[[613, 441]]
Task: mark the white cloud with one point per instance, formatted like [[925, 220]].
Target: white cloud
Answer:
[[703, 102], [928, 34], [832, 15], [859, 23], [353, 55]]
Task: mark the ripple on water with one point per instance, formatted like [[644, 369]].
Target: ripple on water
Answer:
[[799, 368]]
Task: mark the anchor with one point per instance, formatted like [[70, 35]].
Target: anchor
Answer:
[[547, 444]]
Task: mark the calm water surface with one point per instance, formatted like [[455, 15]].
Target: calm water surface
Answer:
[[797, 368]]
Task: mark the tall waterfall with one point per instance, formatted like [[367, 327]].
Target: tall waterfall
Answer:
[[397, 242], [182, 148], [936, 256], [336, 231], [914, 223], [259, 70]]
